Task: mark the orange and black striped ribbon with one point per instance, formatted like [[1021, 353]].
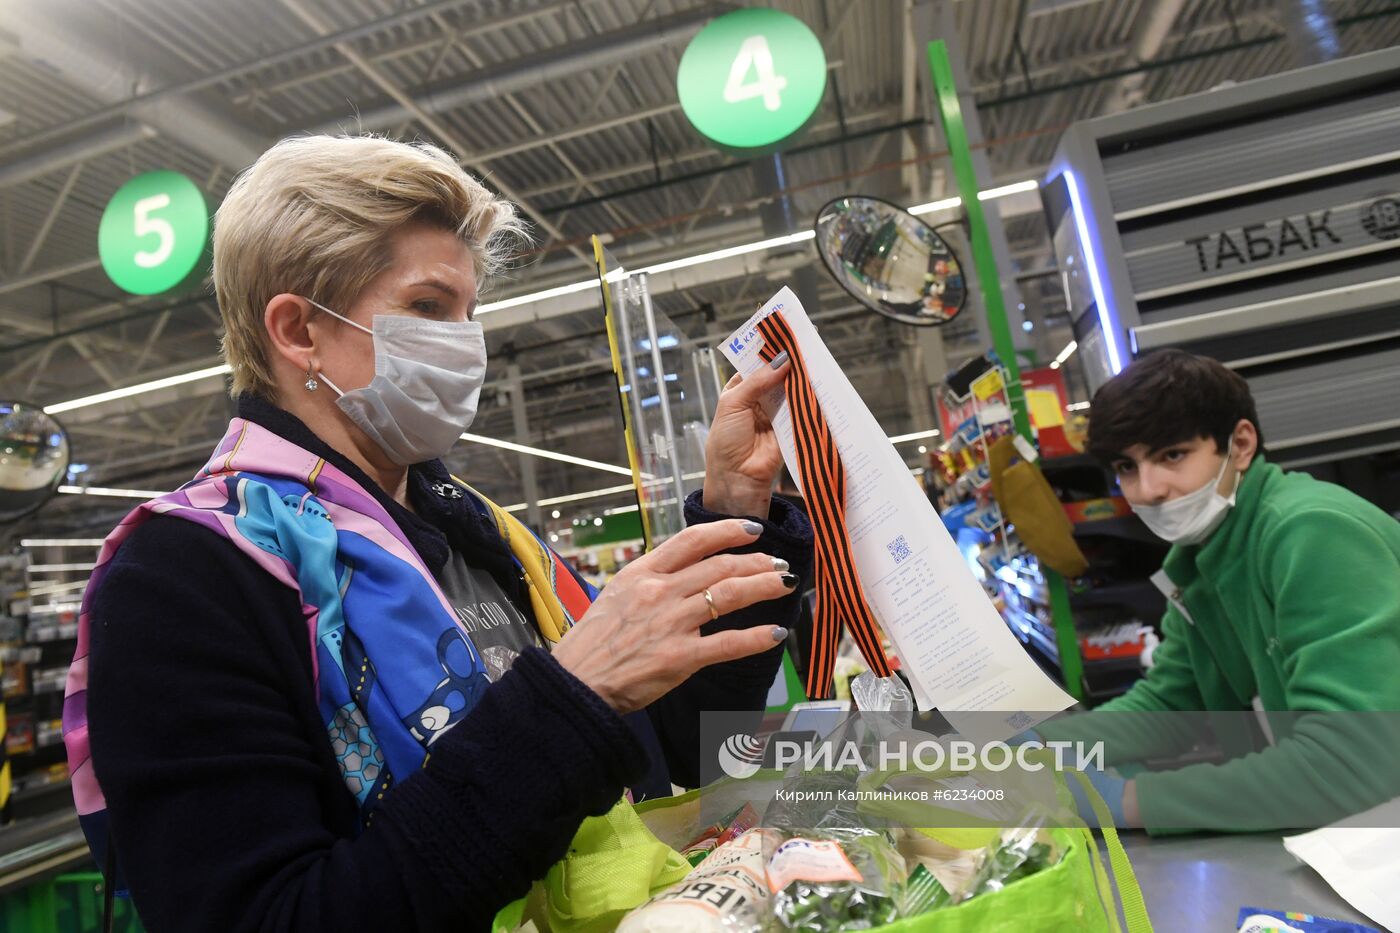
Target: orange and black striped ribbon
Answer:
[[840, 600]]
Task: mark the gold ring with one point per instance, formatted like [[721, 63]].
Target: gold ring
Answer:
[[710, 601]]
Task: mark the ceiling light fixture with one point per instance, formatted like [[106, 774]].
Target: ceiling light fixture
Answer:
[[1065, 354], [61, 542], [991, 194], [138, 389], [109, 492], [917, 435]]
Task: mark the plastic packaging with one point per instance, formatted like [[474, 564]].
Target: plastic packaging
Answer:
[[1259, 920], [1018, 854], [728, 893], [922, 893], [881, 694], [851, 880]]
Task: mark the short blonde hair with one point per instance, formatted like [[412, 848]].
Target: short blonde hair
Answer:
[[312, 217]]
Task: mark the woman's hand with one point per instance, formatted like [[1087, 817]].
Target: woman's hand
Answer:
[[742, 458], [641, 638]]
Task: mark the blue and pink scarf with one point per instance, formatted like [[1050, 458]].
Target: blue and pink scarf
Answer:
[[392, 666]]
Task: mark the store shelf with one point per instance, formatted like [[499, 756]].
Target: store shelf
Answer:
[[1113, 665], [1029, 629], [1128, 527], [1122, 593]]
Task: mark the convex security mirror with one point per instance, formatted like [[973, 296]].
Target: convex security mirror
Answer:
[[890, 260], [34, 456]]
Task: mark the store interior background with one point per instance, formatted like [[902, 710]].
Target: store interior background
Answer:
[[570, 109]]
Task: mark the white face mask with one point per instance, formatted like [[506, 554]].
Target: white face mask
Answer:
[[1191, 518], [427, 380]]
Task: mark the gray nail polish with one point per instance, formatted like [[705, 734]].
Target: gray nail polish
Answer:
[[779, 360], [779, 564], [779, 633], [753, 528]]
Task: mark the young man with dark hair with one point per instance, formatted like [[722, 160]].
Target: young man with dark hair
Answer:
[[1284, 595]]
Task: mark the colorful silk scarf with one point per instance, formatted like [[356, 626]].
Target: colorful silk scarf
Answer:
[[393, 668]]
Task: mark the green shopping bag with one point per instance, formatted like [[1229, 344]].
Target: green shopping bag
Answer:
[[614, 864], [1073, 894]]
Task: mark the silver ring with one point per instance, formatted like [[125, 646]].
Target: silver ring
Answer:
[[710, 601]]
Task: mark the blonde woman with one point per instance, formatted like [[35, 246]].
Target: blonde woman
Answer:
[[325, 686]]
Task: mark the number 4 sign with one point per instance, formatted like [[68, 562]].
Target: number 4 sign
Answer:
[[752, 78], [153, 233], [754, 54]]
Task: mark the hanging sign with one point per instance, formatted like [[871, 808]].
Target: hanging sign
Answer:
[[153, 233], [752, 78]]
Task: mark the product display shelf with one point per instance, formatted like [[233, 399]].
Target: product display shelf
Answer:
[[43, 587]]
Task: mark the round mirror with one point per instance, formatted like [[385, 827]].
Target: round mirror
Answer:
[[890, 260], [34, 456]]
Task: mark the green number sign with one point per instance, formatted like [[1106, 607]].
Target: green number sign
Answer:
[[752, 78], [153, 232]]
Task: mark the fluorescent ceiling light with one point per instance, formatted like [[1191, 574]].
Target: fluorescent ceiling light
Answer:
[[573, 497], [223, 370], [947, 204], [61, 542], [1065, 354], [58, 568], [729, 252], [113, 493], [991, 194], [138, 389], [917, 435], [547, 454], [535, 296]]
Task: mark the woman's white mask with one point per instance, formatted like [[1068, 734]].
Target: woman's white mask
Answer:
[[427, 381]]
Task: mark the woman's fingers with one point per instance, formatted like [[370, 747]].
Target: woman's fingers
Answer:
[[732, 644], [736, 593], [697, 542], [751, 389], [711, 570]]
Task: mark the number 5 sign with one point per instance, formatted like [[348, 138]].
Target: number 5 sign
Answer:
[[153, 233], [752, 78]]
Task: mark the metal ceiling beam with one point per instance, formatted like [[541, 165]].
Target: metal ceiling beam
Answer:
[[1155, 25], [55, 209], [410, 106], [528, 118], [290, 54], [533, 70], [1174, 61], [389, 54], [18, 282], [648, 167], [48, 39], [112, 139]]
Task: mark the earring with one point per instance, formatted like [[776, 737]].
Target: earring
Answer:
[[311, 383]]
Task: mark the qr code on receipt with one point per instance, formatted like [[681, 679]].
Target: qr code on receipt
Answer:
[[899, 549]]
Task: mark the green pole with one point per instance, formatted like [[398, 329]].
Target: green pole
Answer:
[[965, 172], [955, 133]]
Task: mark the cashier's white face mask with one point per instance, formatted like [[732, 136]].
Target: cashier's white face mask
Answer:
[[427, 381], [1191, 518]]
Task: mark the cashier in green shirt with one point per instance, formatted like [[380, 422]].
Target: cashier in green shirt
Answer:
[[1284, 594]]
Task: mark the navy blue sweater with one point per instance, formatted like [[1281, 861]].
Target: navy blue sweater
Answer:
[[226, 806]]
